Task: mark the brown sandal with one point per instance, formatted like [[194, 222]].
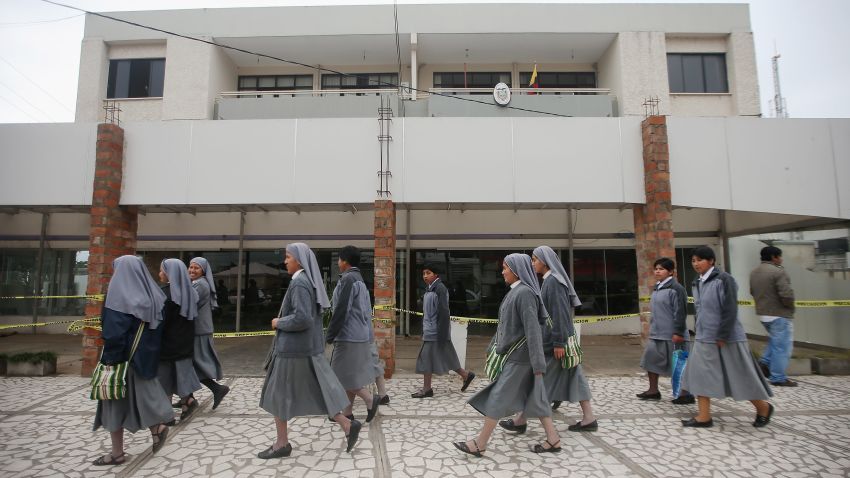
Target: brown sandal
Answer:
[[113, 460]]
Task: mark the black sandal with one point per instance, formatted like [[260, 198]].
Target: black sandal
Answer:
[[553, 447], [462, 446], [113, 460], [188, 409], [159, 438]]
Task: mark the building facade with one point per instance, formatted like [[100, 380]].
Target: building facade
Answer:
[[330, 125]]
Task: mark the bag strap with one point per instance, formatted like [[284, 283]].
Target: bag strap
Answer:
[[136, 341]]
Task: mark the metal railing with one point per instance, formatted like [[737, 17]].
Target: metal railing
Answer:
[[523, 91], [297, 93]]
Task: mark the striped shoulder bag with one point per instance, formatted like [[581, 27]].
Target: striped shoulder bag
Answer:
[[495, 362], [572, 353], [109, 382]]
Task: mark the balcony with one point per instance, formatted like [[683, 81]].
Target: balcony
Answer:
[[438, 102]]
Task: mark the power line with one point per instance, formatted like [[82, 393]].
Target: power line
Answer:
[[19, 109], [27, 102], [15, 24], [293, 62], [37, 85]]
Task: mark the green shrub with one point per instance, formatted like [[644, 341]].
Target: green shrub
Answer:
[[32, 357]]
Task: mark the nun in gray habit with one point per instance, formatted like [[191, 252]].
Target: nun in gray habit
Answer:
[[562, 384], [519, 387], [299, 380], [207, 365], [133, 305], [176, 371]]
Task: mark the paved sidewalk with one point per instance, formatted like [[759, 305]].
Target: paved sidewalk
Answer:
[[45, 430]]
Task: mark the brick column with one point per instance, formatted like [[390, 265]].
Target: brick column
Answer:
[[112, 231], [385, 266], [653, 221]]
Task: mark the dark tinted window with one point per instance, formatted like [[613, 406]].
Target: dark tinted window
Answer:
[[142, 78], [697, 73]]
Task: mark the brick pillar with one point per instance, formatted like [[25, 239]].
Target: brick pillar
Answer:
[[385, 266], [112, 231], [653, 221]]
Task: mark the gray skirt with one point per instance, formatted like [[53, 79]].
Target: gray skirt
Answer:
[[207, 365], [565, 385], [657, 357], [302, 386], [178, 378], [516, 389], [144, 406], [437, 358], [377, 365], [730, 371], [352, 364]]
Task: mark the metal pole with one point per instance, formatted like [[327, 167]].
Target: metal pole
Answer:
[[724, 237], [570, 242], [407, 283], [239, 272], [39, 265]]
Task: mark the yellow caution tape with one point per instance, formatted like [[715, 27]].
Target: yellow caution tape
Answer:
[[90, 297], [37, 324], [582, 320], [91, 323], [243, 334], [797, 303]]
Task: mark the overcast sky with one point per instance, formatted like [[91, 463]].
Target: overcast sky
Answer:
[[40, 51]]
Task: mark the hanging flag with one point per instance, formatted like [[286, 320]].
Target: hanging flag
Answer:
[[533, 83]]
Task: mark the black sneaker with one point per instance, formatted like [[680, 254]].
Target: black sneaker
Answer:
[[786, 383]]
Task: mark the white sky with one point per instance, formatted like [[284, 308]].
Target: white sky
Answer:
[[40, 51]]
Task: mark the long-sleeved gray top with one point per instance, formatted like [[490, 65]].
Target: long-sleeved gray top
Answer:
[[204, 322], [669, 306], [435, 313], [556, 299], [716, 301], [299, 326], [518, 318], [351, 320]]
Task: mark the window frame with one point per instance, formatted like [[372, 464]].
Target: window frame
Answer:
[[155, 82], [679, 84]]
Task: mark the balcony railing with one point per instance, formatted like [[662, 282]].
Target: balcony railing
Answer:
[[303, 93], [523, 91]]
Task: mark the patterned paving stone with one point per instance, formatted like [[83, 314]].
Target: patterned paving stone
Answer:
[[52, 436]]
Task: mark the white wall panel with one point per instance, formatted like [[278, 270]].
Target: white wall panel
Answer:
[[239, 162], [458, 160], [338, 160], [156, 162], [47, 164], [699, 167], [567, 160], [839, 130], [782, 166]]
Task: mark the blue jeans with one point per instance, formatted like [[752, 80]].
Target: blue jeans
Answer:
[[778, 349]]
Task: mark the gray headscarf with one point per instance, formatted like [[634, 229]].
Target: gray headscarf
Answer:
[[553, 262], [208, 276], [182, 292], [304, 255], [520, 264], [133, 291]]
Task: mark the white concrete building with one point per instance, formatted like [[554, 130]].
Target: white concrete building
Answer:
[[229, 148]]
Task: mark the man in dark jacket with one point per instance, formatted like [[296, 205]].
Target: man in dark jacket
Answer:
[[771, 290]]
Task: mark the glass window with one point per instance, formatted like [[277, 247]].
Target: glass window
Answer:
[[359, 81], [570, 79], [697, 73], [64, 272], [275, 82], [475, 79], [142, 78]]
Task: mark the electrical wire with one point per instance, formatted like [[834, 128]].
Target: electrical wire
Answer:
[[293, 62], [18, 24], [27, 102], [36, 85]]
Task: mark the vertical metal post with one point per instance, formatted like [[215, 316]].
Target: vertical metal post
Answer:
[[570, 242], [724, 237], [239, 272], [39, 265], [407, 282]]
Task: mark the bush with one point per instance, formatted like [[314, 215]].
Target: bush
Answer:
[[32, 357]]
